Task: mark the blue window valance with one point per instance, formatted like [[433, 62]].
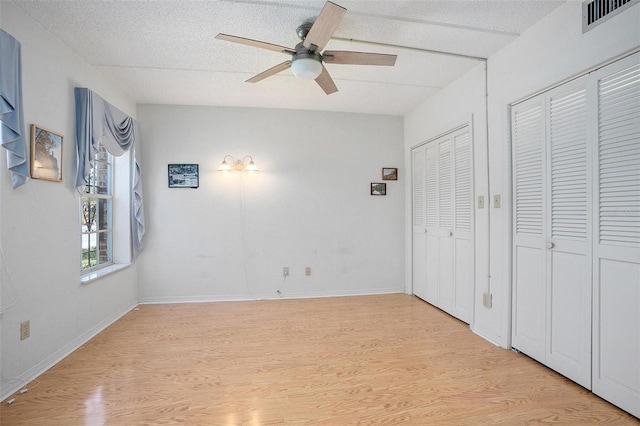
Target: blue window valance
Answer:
[[13, 137], [96, 121]]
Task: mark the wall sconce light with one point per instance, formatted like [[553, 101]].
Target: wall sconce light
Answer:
[[238, 165]]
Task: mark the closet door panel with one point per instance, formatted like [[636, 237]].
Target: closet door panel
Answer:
[[445, 276], [418, 182], [445, 225], [529, 255], [462, 233], [432, 269], [568, 233], [432, 239], [569, 347], [529, 300], [617, 351], [419, 265], [616, 336]]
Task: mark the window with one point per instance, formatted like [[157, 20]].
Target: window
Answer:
[[96, 212]]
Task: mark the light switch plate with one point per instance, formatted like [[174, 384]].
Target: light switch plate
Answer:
[[25, 330], [496, 201], [481, 201]]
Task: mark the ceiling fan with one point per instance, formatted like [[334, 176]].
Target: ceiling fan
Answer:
[[307, 58]]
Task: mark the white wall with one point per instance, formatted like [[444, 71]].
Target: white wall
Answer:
[[39, 230], [549, 52], [309, 206]]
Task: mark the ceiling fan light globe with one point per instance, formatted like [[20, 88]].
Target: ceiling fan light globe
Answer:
[[306, 68]]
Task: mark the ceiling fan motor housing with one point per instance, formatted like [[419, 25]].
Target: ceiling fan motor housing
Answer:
[[303, 30]]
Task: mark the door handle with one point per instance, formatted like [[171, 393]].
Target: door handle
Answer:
[[550, 245], [449, 233]]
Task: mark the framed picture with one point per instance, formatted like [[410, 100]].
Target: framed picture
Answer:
[[46, 154], [183, 176], [378, 188], [389, 173]]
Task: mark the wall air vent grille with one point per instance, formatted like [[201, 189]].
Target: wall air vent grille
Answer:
[[595, 12]]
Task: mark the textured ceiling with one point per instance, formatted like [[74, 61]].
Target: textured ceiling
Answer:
[[164, 52]]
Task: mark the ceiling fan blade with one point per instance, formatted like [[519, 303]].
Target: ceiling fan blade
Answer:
[[325, 81], [271, 71], [324, 26], [255, 43], [358, 58]]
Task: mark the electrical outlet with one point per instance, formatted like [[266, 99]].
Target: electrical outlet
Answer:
[[486, 299], [285, 271], [307, 270], [25, 330], [481, 201]]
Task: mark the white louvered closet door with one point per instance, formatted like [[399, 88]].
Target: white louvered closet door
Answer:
[[462, 227], [445, 246], [616, 271], [419, 218], [568, 233], [432, 238], [529, 259], [552, 281], [576, 231], [445, 225]]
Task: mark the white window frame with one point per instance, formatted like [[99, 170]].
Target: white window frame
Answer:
[[104, 255], [120, 224]]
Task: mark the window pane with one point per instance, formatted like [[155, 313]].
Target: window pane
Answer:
[[104, 247], [89, 252], [88, 214], [100, 175], [104, 214], [102, 178]]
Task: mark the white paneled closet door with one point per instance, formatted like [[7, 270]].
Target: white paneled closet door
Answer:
[[443, 243], [616, 272]]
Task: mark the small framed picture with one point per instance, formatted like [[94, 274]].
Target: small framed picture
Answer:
[[46, 154], [389, 173], [183, 176], [378, 188]]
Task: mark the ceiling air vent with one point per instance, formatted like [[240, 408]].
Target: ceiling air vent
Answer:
[[595, 12]]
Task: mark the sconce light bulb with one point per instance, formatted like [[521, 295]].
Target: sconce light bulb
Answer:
[[224, 167], [251, 167]]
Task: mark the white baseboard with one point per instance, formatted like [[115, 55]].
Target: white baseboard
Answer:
[[18, 382], [269, 296], [488, 337]]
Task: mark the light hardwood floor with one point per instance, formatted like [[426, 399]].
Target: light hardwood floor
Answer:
[[388, 360]]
